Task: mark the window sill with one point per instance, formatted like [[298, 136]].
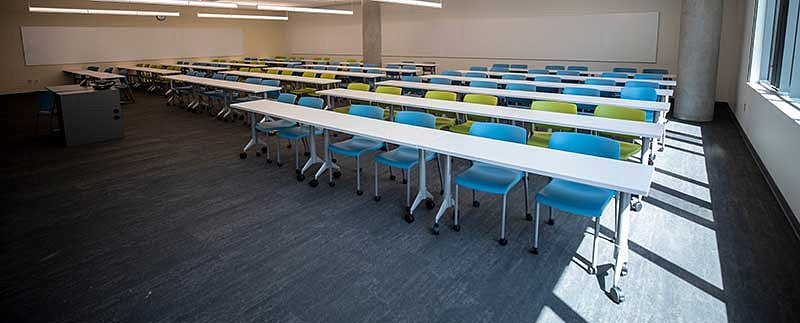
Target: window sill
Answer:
[[788, 108]]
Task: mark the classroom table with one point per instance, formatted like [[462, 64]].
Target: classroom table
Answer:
[[93, 74], [664, 93], [590, 73], [327, 83], [646, 131], [262, 66], [426, 67], [623, 177], [665, 83], [382, 69], [339, 73], [199, 67]]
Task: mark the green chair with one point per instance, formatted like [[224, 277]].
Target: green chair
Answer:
[[387, 90], [443, 119], [354, 87], [286, 72], [273, 72], [323, 76], [244, 69], [307, 90], [541, 138], [478, 99], [627, 145], [256, 70]]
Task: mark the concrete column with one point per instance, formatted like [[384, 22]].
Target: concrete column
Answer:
[[701, 23], [371, 32]]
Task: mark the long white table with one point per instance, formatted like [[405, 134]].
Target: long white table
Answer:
[[288, 78], [591, 73], [667, 83], [158, 71], [262, 66], [199, 67], [94, 75], [624, 177], [666, 93], [339, 73], [426, 67], [382, 69], [539, 96]]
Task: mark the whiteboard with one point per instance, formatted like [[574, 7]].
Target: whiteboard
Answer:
[[73, 45], [624, 37]]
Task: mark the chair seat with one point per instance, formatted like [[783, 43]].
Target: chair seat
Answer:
[[575, 198], [344, 110], [355, 146], [296, 133], [305, 91], [627, 149], [490, 179], [274, 125], [650, 116], [444, 122], [462, 128], [540, 139], [402, 157]]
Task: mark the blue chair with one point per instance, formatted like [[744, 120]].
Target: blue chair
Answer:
[[614, 75], [554, 67], [108, 70], [519, 66], [625, 70], [318, 68], [576, 198], [93, 68], [331, 68], [652, 85], [657, 77], [451, 73], [214, 94], [395, 66], [357, 146], [411, 78], [643, 94], [406, 158], [568, 73], [501, 65], [551, 79], [47, 105], [483, 84], [583, 92], [578, 68], [499, 69], [477, 74], [655, 71], [272, 125], [356, 70], [441, 80], [274, 94], [293, 134], [492, 179], [517, 77], [249, 80], [516, 102], [411, 91], [538, 71], [478, 68], [603, 82]]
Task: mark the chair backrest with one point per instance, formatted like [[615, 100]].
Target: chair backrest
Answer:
[[614, 75], [319, 68], [358, 87], [271, 83], [200, 74], [520, 66], [253, 80], [108, 69], [47, 101], [499, 69], [586, 144], [411, 78], [521, 87], [652, 85], [538, 71], [93, 68], [641, 76], [451, 73], [244, 69], [478, 68], [558, 107], [476, 74], [655, 71], [441, 95], [552, 79], [416, 118], [518, 77], [570, 73], [480, 99], [500, 65], [218, 76], [273, 72], [309, 74], [483, 84], [287, 98], [441, 80], [311, 102], [256, 70], [367, 111], [331, 68], [614, 112], [577, 68], [581, 91], [409, 67], [625, 70], [328, 76], [600, 82], [232, 78], [394, 66], [555, 67], [389, 90], [374, 71], [639, 93], [499, 131], [286, 72], [356, 70]]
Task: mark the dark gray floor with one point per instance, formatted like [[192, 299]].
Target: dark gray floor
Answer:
[[169, 225]]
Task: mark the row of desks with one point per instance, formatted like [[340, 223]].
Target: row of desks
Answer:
[[665, 83], [590, 73]]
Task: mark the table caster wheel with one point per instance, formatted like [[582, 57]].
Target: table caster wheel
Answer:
[[279, 164], [269, 161], [661, 149], [377, 198], [409, 218], [476, 204], [289, 146], [337, 174], [616, 295], [636, 206], [333, 160], [392, 177], [297, 172], [592, 271], [551, 222], [534, 250], [650, 162], [456, 227], [313, 183], [430, 204], [528, 217], [242, 155], [435, 229], [301, 177], [331, 184], [624, 271], [359, 192], [503, 242]]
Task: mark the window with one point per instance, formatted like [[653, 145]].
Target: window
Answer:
[[779, 61]]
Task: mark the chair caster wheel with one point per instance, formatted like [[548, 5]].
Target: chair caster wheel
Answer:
[[616, 295], [258, 154], [243, 156], [297, 172], [313, 183], [359, 192], [337, 174], [435, 229], [430, 204], [269, 161], [279, 164], [534, 250], [331, 184], [650, 162], [409, 218], [592, 271], [476, 204], [624, 271], [301, 177], [528, 217], [392, 177], [503, 242], [377, 198], [551, 222], [636, 207], [289, 146], [333, 160], [336, 135], [405, 181], [661, 149], [264, 150], [306, 154], [271, 134], [441, 192], [456, 227]]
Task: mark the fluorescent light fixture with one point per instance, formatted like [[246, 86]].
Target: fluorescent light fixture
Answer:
[[227, 16], [301, 9], [207, 4], [103, 12], [414, 3]]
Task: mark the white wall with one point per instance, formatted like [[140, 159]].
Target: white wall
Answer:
[[771, 125]]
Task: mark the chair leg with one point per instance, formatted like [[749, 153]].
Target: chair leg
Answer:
[[528, 216], [475, 202], [535, 248], [455, 208], [266, 150], [278, 153], [441, 179], [592, 268], [377, 196], [358, 176], [550, 220], [503, 241], [297, 159], [408, 189]]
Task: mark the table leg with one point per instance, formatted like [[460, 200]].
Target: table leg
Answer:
[[621, 246], [253, 137], [314, 158], [422, 194], [327, 164], [447, 198]]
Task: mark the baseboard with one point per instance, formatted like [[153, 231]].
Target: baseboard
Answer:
[[787, 211]]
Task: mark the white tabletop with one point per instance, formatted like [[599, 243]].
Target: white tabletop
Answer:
[[288, 78], [416, 64], [228, 85], [382, 69], [159, 71], [234, 64], [625, 127], [200, 67], [93, 74], [539, 96], [604, 88], [576, 78], [340, 73], [590, 73], [616, 175]]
